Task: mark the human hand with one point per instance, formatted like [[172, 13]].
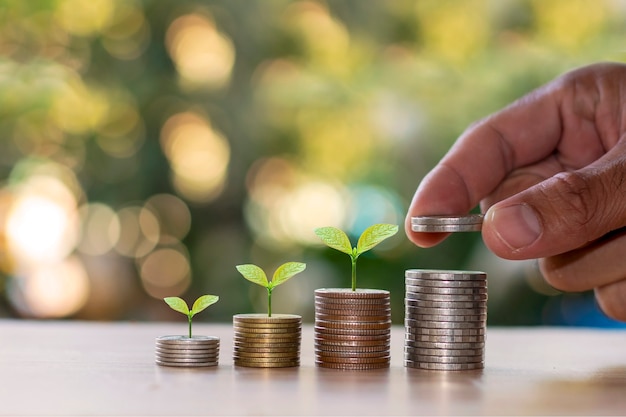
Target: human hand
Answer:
[[549, 171]]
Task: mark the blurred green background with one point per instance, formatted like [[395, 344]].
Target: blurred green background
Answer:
[[148, 147]]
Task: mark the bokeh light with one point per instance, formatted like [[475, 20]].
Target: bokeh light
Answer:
[[139, 231], [166, 272], [203, 56], [198, 155], [100, 229], [50, 290]]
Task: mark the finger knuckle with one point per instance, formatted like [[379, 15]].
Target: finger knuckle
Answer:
[[573, 200]]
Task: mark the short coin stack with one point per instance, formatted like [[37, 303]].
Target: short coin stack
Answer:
[[447, 223], [182, 351], [445, 319], [261, 341], [352, 328]]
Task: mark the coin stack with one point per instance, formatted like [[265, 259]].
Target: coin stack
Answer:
[[183, 351], [352, 328], [261, 341], [445, 319], [447, 223]]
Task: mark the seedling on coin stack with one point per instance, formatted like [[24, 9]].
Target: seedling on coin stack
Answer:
[[188, 351], [284, 272], [178, 304], [268, 340], [372, 236], [353, 326]]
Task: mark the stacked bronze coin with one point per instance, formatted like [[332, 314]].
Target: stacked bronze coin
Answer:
[[182, 351], [445, 319], [352, 328], [262, 341]]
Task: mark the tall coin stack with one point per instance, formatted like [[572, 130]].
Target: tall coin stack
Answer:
[[352, 328], [445, 319], [261, 341], [182, 351]]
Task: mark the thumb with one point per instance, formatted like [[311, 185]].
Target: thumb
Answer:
[[559, 214]]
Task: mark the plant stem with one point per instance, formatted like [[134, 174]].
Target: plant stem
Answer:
[[269, 302], [353, 258], [189, 326]]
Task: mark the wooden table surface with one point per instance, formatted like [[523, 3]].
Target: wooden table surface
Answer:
[[81, 368]]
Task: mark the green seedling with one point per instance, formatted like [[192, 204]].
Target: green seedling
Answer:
[[372, 236], [255, 274], [178, 304]]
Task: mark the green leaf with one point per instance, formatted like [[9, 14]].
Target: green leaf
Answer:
[[335, 239], [286, 271], [254, 274], [203, 302], [177, 304], [373, 235]]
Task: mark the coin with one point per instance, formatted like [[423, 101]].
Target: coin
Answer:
[[267, 355], [351, 332], [184, 340], [443, 352], [355, 349], [354, 325], [267, 335], [266, 364], [445, 345], [444, 297], [446, 359], [356, 338], [446, 311], [456, 319], [263, 344], [187, 364], [445, 332], [352, 360], [187, 349], [447, 223], [266, 349], [261, 318], [322, 354], [352, 319], [440, 283], [445, 339], [267, 331], [443, 366], [447, 275], [446, 290], [202, 354], [352, 366], [263, 326], [444, 304], [351, 312], [347, 293], [444, 324], [353, 304]]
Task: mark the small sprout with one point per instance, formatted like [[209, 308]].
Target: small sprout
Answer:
[[178, 304], [255, 274], [371, 237]]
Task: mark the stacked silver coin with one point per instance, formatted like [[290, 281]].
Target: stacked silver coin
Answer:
[[182, 351], [261, 341], [447, 223], [352, 328], [445, 319]]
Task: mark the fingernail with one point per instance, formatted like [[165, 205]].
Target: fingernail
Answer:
[[517, 226]]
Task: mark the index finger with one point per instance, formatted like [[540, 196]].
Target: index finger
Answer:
[[524, 132]]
